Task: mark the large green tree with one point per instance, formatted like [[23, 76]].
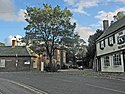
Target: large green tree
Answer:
[[92, 45], [49, 24]]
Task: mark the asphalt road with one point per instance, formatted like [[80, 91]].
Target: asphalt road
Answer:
[[63, 83], [10, 87]]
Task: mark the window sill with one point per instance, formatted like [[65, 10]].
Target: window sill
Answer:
[[110, 44], [116, 65], [105, 66]]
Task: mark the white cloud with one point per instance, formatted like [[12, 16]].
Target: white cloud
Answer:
[[8, 41], [80, 5], [21, 15], [85, 31], [70, 2], [8, 13], [122, 1], [103, 15], [108, 15]]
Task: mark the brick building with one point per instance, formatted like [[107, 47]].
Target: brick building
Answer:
[[14, 58]]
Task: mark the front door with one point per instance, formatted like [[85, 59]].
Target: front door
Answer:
[[99, 63]]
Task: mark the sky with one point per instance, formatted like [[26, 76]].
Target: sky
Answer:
[[88, 14]]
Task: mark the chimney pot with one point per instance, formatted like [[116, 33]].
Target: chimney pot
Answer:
[[105, 24], [13, 43]]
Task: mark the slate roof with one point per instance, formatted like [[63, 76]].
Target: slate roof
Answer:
[[13, 51], [113, 28]]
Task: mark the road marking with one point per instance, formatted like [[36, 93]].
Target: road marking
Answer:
[[37, 91], [110, 89], [29, 87]]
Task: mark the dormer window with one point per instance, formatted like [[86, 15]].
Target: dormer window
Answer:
[[102, 44], [111, 40]]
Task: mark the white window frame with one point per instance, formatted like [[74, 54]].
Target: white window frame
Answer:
[[111, 40], [106, 61], [117, 59], [102, 44], [2, 63]]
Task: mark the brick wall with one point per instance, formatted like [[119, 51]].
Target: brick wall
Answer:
[[16, 64]]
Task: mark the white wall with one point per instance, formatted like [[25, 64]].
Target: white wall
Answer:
[[112, 68], [110, 49]]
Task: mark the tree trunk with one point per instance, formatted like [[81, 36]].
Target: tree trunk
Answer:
[[50, 62], [52, 67]]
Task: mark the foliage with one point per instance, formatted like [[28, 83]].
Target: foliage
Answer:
[[49, 25], [92, 45], [75, 47], [2, 44]]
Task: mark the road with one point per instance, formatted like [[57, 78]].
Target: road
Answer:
[[11, 87], [63, 83]]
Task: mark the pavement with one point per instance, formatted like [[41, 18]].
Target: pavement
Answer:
[[92, 73]]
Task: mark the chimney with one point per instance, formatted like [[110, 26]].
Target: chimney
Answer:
[[13, 43], [105, 24]]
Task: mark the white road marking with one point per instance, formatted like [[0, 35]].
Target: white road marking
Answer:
[[37, 91], [29, 88], [110, 89]]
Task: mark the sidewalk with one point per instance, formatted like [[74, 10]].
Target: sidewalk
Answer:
[[92, 73]]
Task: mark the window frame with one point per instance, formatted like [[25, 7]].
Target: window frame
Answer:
[[106, 61], [2, 63], [117, 61], [102, 44], [121, 39], [111, 40]]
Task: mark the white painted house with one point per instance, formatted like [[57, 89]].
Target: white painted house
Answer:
[[110, 47]]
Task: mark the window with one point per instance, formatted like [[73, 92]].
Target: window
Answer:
[[117, 59], [102, 44], [106, 61], [2, 63], [111, 40], [121, 39]]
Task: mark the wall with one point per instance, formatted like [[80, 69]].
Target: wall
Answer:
[[10, 64], [110, 49], [112, 68]]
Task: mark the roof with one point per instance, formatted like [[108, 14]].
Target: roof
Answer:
[[112, 28], [13, 51]]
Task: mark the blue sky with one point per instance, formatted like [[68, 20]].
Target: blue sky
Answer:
[[88, 14]]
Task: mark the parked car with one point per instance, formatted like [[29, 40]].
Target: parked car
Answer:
[[80, 67], [75, 66]]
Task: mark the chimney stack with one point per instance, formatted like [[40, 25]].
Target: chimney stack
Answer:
[[105, 24], [13, 43]]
